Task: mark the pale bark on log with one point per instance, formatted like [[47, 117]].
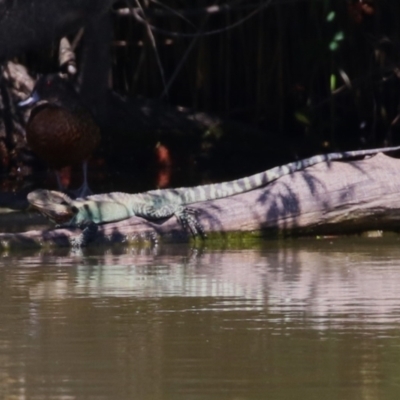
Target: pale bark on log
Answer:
[[339, 197]]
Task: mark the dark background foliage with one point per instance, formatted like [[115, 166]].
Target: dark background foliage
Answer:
[[278, 79]]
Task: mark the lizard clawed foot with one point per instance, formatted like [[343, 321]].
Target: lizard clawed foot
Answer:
[[188, 218], [89, 231]]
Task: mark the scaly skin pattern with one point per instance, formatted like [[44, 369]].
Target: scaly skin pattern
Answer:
[[90, 211]]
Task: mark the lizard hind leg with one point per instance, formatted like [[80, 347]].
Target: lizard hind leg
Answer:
[[188, 219], [185, 215]]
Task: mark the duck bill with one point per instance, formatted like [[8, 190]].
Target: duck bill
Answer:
[[32, 99]]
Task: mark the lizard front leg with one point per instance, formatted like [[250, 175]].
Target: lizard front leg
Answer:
[[89, 231]]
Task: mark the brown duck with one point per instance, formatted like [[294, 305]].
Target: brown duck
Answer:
[[60, 129]]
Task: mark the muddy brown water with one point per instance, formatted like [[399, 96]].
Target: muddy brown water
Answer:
[[301, 319]]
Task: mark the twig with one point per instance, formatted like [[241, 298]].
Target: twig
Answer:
[[153, 44], [138, 17], [66, 57]]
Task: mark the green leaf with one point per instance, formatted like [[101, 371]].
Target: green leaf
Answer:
[[333, 82], [303, 119], [333, 46], [331, 16], [338, 36]]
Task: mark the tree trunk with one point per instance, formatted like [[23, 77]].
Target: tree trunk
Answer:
[[338, 197]]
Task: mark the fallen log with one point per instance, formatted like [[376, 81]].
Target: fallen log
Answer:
[[336, 197]]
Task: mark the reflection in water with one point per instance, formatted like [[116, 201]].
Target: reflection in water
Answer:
[[330, 287], [299, 320]]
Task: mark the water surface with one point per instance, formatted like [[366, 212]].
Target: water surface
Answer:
[[295, 320]]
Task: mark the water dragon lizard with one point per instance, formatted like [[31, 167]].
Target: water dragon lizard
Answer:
[[87, 213]]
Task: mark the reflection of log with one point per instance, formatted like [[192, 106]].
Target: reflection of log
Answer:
[[340, 197]]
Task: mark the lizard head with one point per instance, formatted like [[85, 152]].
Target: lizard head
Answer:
[[56, 206]]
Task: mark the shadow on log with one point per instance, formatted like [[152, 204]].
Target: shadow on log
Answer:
[[336, 197]]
